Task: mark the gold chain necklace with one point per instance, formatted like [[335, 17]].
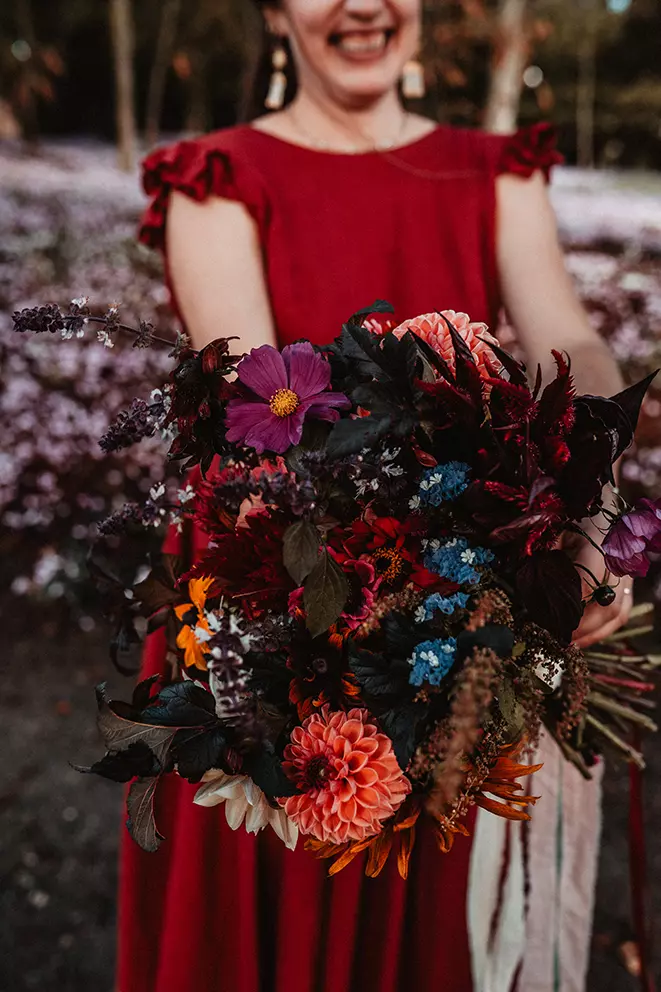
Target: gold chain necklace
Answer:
[[371, 146]]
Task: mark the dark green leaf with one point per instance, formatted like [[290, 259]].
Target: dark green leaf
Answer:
[[265, 769], [379, 675], [300, 549], [195, 752], [137, 761], [379, 306], [403, 725], [348, 437], [182, 704], [496, 637], [140, 807], [510, 708], [362, 352], [142, 692], [326, 592]]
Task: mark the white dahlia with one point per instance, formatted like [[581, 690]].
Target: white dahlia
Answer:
[[245, 802]]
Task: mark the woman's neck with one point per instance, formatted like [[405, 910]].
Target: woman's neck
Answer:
[[380, 124]]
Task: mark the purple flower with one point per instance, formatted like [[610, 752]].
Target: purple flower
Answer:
[[287, 387], [632, 538]]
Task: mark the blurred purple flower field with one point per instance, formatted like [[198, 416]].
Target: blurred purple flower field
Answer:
[[68, 221]]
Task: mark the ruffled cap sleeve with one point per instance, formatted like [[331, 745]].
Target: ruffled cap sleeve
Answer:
[[530, 150], [199, 170]]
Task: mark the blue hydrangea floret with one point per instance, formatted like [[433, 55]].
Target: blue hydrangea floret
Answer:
[[432, 660], [455, 560], [444, 604], [443, 483]]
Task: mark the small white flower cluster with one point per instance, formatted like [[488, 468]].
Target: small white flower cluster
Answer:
[[386, 467]]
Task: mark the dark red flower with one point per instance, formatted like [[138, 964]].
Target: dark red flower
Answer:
[[320, 676], [248, 565], [394, 549]]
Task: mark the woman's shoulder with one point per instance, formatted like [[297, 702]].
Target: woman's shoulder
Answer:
[[221, 163], [523, 153]]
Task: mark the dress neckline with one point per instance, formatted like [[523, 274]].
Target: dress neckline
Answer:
[[325, 153]]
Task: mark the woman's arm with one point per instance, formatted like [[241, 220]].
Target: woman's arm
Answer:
[[217, 274], [540, 299]]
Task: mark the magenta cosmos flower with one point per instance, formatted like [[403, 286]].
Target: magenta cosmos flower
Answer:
[[287, 387], [632, 538]]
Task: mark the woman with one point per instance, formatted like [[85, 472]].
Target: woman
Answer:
[[278, 230]]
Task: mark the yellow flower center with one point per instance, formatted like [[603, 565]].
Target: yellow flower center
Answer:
[[389, 562], [283, 402]]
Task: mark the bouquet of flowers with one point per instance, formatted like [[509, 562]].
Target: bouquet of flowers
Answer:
[[377, 618]]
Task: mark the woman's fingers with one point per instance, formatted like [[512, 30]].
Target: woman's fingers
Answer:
[[599, 622]]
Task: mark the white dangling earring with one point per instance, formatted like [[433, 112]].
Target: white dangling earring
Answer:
[[413, 80], [275, 97]]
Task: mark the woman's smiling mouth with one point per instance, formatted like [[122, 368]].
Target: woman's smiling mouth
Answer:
[[362, 44]]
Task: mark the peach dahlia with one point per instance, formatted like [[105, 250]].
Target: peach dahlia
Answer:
[[433, 329], [347, 771]]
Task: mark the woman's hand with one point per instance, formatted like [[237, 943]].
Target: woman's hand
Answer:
[[600, 621]]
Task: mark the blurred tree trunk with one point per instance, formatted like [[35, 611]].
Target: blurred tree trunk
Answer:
[[164, 47], [510, 58], [197, 116], [586, 91], [121, 23], [26, 97]]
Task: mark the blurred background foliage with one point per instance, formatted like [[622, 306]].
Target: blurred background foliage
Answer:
[[593, 66]]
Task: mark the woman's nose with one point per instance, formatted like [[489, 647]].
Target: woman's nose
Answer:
[[364, 9]]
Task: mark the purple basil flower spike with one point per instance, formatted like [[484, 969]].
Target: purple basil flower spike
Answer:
[[632, 538], [288, 386]]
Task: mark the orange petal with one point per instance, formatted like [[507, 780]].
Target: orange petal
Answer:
[[347, 857], [501, 809], [379, 852], [404, 855]]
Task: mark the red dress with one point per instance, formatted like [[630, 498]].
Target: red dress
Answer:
[[222, 911]]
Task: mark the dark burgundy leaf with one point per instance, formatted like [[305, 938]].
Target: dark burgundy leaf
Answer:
[[119, 733], [159, 589], [516, 370], [140, 807], [550, 588]]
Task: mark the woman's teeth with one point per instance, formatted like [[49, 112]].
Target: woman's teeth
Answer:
[[362, 43]]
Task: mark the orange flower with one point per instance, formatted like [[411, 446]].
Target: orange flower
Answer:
[[433, 329], [194, 650], [349, 775], [501, 782], [401, 827]]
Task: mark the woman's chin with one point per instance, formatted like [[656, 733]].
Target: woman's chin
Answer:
[[364, 88]]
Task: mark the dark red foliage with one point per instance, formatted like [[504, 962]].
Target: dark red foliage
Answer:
[[248, 564]]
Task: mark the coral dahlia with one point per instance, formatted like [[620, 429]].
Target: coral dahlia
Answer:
[[433, 329], [348, 774]]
